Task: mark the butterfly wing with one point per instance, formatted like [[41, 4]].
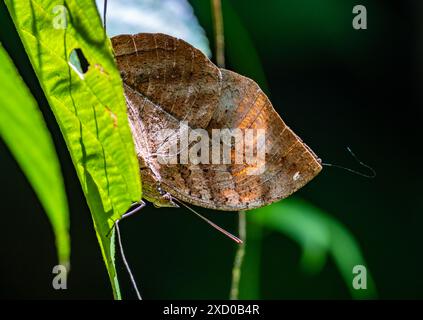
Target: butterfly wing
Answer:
[[170, 85]]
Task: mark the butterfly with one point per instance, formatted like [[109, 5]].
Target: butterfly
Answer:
[[172, 89]]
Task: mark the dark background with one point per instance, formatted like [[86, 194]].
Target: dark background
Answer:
[[335, 87]]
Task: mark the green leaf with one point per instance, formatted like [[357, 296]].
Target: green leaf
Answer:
[[89, 107], [319, 236], [24, 131]]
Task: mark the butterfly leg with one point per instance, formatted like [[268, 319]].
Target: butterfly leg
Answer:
[[119, 239], [130, 212], [141, 204]]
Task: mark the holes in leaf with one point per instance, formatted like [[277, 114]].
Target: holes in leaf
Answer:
[[78, 62]]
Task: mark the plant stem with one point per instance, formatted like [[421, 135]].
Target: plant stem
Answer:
[[242, 223], [239, 256], [104, 15], [218, 32]]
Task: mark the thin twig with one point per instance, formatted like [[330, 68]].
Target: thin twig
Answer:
[[242, 223], [218, 32], [239, 256], [104, 14]]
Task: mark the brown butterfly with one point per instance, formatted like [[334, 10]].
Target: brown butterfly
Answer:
[[171, 89]]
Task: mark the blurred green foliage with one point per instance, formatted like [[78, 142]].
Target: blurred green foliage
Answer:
[[23, 129], [319, 235]]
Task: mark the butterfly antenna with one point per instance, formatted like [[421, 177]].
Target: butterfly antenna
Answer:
[[370, 176], [226, 233]]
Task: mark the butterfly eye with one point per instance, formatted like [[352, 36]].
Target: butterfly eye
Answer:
[[160, 190]]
